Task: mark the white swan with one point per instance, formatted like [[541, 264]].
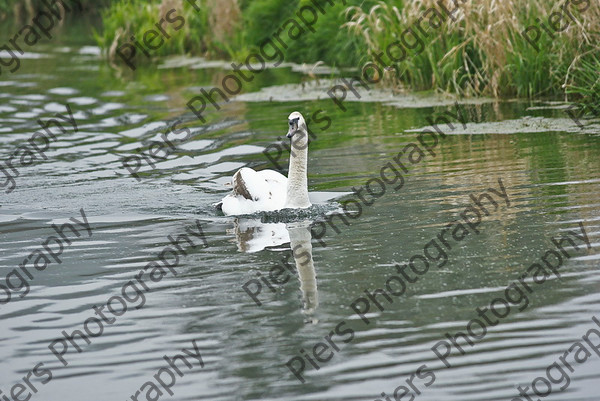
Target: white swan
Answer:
[[268, 190]]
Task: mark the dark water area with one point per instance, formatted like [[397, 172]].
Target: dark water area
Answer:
[[548, 167]]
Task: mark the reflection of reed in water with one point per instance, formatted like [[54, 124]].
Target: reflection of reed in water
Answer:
[[300, 237], [251, 235]]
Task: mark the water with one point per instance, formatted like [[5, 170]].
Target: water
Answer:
[[549, 167]]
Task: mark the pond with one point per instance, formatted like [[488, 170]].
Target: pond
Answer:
[[370, 301]]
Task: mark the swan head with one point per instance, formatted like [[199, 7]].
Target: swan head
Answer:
[[296, 124]]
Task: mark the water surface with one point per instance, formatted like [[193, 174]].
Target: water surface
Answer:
[[550, 168]]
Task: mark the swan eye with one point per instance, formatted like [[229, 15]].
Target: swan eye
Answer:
[[294, 122]]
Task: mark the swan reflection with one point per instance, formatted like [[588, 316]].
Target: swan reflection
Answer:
[[300, 237], [252, 235]]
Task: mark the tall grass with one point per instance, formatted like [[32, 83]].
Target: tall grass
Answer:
[[484, 52], [584, 82], [235, 28]]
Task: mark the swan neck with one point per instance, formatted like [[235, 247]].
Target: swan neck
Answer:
[[297, 186]]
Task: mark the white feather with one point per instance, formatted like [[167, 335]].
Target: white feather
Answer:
[[267, 189]]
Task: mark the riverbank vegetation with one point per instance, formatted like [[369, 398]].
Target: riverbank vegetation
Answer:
[[494, 48], [478, 49]]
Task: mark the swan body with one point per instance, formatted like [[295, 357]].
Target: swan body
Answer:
[[267, 190], [255, 191]]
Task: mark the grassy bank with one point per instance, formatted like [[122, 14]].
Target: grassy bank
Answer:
[[232, 29], [480, 50], [484, 51]]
